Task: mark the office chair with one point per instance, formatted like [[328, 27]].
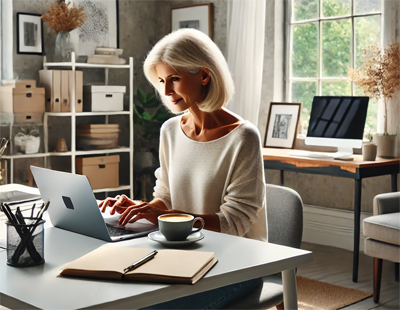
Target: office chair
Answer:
[[383, 236], [285, 227]]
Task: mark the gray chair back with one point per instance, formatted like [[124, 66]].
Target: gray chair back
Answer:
[[284, 216]]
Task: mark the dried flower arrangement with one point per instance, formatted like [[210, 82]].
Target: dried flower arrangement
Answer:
[[379, 76], [64, 17]]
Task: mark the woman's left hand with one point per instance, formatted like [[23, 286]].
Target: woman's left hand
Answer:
[[148, 212]]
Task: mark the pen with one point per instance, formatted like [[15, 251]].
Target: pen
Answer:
[[140, 261]]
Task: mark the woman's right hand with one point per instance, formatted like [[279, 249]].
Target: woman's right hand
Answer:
[[119, 204]]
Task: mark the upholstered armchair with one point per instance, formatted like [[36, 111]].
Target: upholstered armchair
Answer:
[[383, 236]]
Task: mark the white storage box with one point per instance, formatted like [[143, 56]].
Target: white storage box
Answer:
[[102, 98]]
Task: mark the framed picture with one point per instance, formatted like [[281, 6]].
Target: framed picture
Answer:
[[29, 34], [101, 28], [197, 16], [282, 124]]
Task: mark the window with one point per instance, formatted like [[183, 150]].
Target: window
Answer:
[[326, 39]]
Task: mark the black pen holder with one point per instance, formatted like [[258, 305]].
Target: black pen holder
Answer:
[[25, 243]]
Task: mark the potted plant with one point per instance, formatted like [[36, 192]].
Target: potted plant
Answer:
[[379, 78]]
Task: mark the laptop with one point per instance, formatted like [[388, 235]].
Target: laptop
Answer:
[[73, 207]]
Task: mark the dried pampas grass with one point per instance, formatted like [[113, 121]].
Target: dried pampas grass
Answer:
[[379, 75], [64, 17]]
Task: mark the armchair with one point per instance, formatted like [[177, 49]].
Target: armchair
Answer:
[[383, 236]]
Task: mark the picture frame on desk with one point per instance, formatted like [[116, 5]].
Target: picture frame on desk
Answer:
[[29, 34], [282, 124], [197, 16]]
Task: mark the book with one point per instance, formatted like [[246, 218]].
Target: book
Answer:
[[108, 51], [168, 265], [105, 59]]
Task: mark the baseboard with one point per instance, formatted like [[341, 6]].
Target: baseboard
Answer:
[[332, 227]]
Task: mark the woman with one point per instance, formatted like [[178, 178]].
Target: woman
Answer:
[[210, 159]]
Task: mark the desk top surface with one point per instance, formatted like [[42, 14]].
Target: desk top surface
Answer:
[[42, 287], [282, 155]]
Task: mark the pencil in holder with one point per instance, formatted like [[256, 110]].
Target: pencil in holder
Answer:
[[25, 243]]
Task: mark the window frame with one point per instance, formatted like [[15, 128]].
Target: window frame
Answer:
[[319, 79]]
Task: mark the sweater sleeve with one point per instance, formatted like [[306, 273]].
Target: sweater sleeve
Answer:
[[161, 188], [245, 193]]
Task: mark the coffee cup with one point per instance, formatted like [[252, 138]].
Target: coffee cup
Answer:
[[178, 226]]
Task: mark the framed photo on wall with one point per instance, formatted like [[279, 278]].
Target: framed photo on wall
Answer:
[[197, 16], [282, 124], [29, 34], [101, 28]]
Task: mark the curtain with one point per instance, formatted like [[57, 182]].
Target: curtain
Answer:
[[245, 54], [6, 38]]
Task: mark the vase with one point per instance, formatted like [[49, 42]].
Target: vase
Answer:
[[386, 145], [369, 151], [63, 47]]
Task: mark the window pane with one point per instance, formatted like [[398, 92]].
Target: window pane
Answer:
[[336, 48], [335, 8], [372, 113], [367, 6], [304, 92], [368, 31], [305, 53], [340, 88], [305, 9]]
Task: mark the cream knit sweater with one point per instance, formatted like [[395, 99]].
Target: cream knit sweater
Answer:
[[223, 176]]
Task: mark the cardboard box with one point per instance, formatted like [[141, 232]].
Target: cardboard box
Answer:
[[103, 98], [102, 171], [22, 100], [20, 84], [22, 118]]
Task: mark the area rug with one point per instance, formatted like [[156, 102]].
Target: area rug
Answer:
[[317, 295]]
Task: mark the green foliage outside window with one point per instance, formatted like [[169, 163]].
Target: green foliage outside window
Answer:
[[311, 76]]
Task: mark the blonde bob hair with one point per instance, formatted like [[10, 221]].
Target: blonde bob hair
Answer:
[[191, 50]]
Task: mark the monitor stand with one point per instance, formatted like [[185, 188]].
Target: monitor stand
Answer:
[[342, 152]]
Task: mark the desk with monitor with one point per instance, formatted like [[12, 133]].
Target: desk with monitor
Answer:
[[42, 287], [357, 169]]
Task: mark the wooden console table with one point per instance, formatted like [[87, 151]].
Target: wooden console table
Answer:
[[279, 159]]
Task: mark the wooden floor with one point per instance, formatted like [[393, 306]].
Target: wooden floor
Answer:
[[334, 265]]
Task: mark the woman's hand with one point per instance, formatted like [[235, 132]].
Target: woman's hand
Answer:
[[119, 204], [146, 211]]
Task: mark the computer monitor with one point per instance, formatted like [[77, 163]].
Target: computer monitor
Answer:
[[337, 121]]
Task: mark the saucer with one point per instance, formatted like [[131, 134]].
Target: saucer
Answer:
[[159, 237]]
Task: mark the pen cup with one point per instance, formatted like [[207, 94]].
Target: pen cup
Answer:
[[25, 243]]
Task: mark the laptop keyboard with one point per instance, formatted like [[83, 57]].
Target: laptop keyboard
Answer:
[[118, 231]]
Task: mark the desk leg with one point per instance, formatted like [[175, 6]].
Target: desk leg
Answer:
[[357, 213], [282, 177], [289, 289]]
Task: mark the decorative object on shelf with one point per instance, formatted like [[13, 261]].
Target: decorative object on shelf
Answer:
[[29, 34], [63, 18], [101, 27], [197, 16], [379, 77], [61, 145], [27, 141], [282, 124], [106, 55]]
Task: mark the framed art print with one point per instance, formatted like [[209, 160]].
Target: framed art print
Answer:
[[29, 34], [282, 124], [197, 16], [101, 28]]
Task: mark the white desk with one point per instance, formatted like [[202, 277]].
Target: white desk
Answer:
[[240, 259]]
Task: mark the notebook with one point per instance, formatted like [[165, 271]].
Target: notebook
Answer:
[[73, 207]]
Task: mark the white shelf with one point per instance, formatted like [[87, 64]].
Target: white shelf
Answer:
[[35, 155], [73, 153], [88, 113]]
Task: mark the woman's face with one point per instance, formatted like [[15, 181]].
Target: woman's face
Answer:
[[182, 88]]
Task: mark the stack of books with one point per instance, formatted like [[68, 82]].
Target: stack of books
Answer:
[[97, 136], [106, 55]]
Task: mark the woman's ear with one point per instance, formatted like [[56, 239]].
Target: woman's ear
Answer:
[[205, 76]]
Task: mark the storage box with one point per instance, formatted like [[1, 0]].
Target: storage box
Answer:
[[22, 118], [103, 98], [102, 171], [22, 100], [20, 83]]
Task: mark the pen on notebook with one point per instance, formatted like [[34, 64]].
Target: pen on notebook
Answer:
[[140, 261]]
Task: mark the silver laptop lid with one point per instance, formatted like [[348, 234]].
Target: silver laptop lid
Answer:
[[72, 203]]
